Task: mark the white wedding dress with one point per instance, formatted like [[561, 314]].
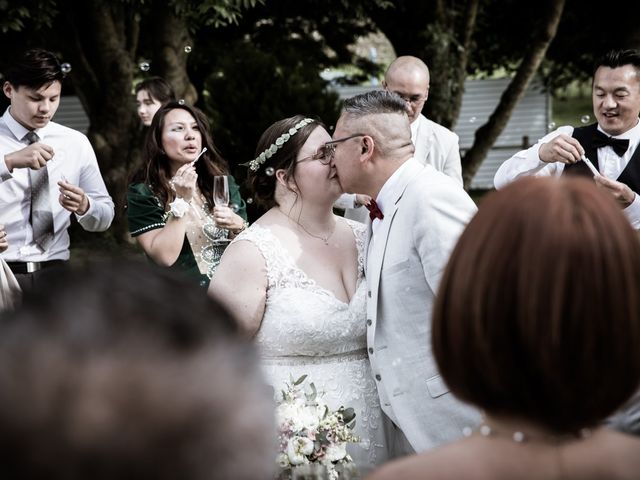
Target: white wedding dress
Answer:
[[307, 330]]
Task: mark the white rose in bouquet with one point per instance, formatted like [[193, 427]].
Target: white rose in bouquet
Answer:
[[298, 448]]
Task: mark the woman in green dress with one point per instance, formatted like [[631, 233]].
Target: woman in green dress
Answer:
[[170, 199]]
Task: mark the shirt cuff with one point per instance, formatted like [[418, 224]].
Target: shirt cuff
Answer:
[[632, 212], [5, 174], [88, 212]]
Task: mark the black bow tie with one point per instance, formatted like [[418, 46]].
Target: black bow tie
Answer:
[[601, 140]]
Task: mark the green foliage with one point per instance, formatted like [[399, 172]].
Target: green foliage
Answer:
[[249, 89], [586, 31], [216, 13], [32, 14]]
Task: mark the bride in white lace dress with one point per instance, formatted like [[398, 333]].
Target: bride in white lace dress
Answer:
[[294, 279]]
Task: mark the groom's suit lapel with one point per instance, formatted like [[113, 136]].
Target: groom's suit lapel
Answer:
[[375, 255]]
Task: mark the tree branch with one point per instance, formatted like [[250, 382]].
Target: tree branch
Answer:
[[488, 133]]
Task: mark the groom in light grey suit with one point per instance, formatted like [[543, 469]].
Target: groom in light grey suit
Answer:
[[423, 213]]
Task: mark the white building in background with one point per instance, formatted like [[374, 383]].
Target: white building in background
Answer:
[[71, 114]]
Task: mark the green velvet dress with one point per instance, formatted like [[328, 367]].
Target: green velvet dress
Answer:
[[202, 246]]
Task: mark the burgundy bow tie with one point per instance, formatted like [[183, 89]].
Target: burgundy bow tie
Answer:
[[374, 210]]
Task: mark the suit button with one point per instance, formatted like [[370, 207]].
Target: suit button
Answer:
[[370, 350], [369, 293], [378, 377], [369, 322]]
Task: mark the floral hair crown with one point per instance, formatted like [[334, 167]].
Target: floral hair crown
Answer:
[[275, 146]]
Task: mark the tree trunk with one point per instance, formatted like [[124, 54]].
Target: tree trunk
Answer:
[[103, 61], [446, 51], [488, 133], [173, 45]]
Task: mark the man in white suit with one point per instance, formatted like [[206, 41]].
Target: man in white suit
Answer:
[[434, 144], [422, 214]]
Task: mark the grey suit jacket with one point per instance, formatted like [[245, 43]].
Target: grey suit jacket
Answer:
[[403, 268]]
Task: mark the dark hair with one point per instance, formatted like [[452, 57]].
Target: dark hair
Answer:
[[155, 170], [619, 58], [538, 312], [34, 69], [123, 370], [158, 89], [263, 186]]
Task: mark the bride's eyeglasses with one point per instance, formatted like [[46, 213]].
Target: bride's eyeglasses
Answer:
[[322, 155]]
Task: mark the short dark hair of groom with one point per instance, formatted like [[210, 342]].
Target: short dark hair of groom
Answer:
[[34, 69]]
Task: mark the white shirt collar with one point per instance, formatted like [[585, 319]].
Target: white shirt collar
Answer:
[[388, 190], [17, 129], [633, 134]]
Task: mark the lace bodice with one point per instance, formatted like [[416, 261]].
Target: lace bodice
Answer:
[[301, 317], [306, 330]]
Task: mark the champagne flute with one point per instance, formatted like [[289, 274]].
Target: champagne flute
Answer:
[[221, 199], [220, 191]]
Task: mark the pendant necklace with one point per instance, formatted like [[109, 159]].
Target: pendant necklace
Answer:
[[319, 237]]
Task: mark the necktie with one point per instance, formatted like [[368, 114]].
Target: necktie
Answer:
[[374, 210], [40, 215], [601, 140]]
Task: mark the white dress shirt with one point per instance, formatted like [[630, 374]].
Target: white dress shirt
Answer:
[[73, 160], [388, 192], [527, 162]]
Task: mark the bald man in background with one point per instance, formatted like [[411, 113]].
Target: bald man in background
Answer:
[[435, 145]]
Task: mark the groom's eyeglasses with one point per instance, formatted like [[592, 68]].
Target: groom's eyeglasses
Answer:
[[331, 146]]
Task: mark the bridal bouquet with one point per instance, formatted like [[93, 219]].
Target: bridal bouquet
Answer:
[[310, 432]]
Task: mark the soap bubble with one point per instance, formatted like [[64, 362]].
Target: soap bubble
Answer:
[[269, 171], [235, 207], [585, 119], [181, 101], [65, 67], [187, 49], [144, 66], [472, 120], [551, 125], [249, 200]]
